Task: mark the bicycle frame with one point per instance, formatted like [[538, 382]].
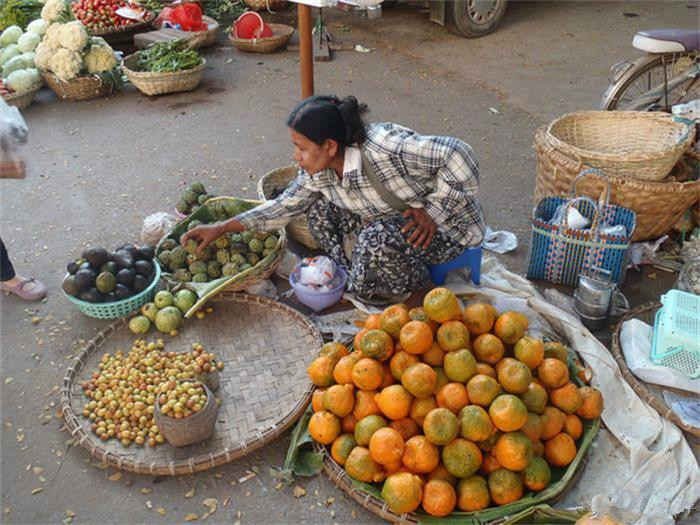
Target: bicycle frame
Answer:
[[661, 91]]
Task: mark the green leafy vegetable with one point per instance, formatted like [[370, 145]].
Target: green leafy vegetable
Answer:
[[18, 12], [224, 11], [166, 57]]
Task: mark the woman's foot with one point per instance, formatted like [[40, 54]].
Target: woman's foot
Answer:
[[27, 288]]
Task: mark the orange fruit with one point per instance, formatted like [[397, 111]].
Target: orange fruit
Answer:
[[505, 486], [348, 424], [416, 337], [420, 380], [461, 458], [553, 422], [573, 426], [538, 448], [339, 399], [488, 349], [341, 448], [400, 361], [421, 407], [556, 350], [442, 474], [406, 427], [567, 398], [513, 451], [334, 350], [560, 450], [515, 377], [393, 467], [488, 444], [393, 318], [475, 424], [373, 322], [387, 378], [486, 369], [482, 390], [441, 305], [342, 373], [441, 426], [358, 337], [439, 498], [453, 335], [360, 466], [592, 403], [367, 426], [317, 399], [508, 413], [365, 404], [473, 494], [460, 366], [435, 356], [402, 492], [510, 326], [376, 344], [479, 318], [321, 371], [535, 398], [420, 455], [533, 427], [394, 401], [529, 351], [489, 464], [324, 427], [537, 475], [386, 446], [418, 314], [452, 396], [553, 373], [367, 374], [441, 379]]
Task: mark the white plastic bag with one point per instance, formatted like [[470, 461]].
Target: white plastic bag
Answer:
[[155, 226], [13, 135], [316, 271]]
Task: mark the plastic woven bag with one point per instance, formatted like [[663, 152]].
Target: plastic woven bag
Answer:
[[13, 135]]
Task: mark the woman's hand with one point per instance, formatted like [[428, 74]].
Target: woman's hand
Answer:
[[203, 235], [423, 227]]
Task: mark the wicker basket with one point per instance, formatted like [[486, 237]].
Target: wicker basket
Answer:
[[161, 83], [281, 33], [622, 143], [124, 33], [21, 99], [188, 431], [298, 227], [658, 205], [81, 88]]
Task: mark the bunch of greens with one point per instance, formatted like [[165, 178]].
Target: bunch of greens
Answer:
[[154, 6], [224, 11], [18, 12], [166, 57]]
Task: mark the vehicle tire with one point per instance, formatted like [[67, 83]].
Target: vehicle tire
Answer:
[[474, 18]]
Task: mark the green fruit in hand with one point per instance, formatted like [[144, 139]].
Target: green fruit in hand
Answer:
[[191, 246], [184, 300], [106, 282], [139, 324], [150, 310], [163, 299], [168, 319]]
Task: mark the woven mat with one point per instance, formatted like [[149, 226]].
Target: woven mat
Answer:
[[265, 347]]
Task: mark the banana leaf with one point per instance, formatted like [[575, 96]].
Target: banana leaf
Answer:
[[301, 459]]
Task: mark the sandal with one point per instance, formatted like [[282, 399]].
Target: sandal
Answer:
[[34, 293]]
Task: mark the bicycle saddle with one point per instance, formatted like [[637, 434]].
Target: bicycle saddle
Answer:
[[667, 40]]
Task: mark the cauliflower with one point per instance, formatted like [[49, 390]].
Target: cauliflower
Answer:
[[43, 55], [28, 42], [73, 36], [65, 64], [52, 36], [100, 58], [55, 11], [38, 26]]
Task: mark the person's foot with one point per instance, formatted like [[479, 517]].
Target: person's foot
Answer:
[[27, 288]]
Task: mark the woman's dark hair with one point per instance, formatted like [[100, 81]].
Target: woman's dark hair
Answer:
[[321, 117]]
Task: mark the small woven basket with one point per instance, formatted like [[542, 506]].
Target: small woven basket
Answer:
[[278, 179], [632, 144], [190, 430], [21, 99], [281, 33], [81, 88], [161, 83]]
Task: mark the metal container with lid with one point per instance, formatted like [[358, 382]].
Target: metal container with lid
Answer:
[[595, 288]]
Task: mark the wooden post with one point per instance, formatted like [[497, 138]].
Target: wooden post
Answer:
[[306, 58]]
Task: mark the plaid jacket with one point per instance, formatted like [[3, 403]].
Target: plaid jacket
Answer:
[[437, 173]]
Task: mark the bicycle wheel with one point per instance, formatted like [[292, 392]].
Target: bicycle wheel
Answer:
[[647, 73]]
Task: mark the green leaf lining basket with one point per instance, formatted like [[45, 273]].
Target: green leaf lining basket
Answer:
[[121, 308]]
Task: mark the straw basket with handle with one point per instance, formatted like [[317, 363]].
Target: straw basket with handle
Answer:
[[188, 430]]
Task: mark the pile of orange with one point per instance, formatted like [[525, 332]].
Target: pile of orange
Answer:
[[449, 408]]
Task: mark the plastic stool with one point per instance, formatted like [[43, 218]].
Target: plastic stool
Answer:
[[471, 258]]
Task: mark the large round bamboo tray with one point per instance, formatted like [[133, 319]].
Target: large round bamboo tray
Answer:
[[658, 204], [124, 33], [634, 144], [653, 398], [281, 33], [81, 88], [265, 347], [21, 99], [161, 83], [278, 179]]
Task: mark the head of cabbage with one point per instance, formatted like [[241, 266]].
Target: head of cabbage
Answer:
[[10, 35]]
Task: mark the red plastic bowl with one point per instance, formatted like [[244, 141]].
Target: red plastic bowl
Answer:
[[251, 25]]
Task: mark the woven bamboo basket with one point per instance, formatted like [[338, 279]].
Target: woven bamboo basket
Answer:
[[161, 83], [81, 88], [658, 204], [633, 144], [124, 33], [188, 431], [21, 99], [265, 347], [281, 33], [653, 398], [276, 180]]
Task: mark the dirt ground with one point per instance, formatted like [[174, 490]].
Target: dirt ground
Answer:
[[97, 168]]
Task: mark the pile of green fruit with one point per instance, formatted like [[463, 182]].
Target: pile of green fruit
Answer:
[[101, 276], [165, 312], [226, 256], [192, 198]]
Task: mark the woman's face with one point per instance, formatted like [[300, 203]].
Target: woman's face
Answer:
[[311, 156]]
